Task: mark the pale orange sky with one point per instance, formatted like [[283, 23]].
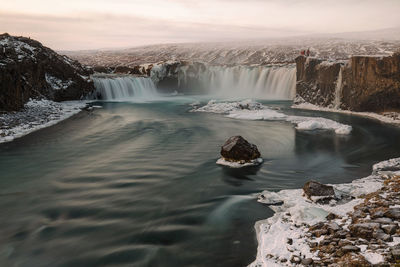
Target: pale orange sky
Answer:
[[92, 24]]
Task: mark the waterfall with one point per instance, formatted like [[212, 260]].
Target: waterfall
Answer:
[[338, 90], [242, 81], [110, 87]]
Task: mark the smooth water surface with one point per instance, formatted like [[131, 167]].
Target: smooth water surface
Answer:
[[137, 184]]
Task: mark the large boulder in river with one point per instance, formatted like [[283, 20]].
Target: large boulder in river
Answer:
[[236, 148], [315, 189]]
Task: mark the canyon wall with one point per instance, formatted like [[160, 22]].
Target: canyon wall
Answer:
[[362, 83], [30, 70]]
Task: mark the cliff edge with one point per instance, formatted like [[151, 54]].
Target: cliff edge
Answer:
[[30, 70], [362, 83]]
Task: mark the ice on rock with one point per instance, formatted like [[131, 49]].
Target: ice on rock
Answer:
[[233, 164]]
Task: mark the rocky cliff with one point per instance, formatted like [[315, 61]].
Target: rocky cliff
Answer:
[[363, 83], [30, 70]]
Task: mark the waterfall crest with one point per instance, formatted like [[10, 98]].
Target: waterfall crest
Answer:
[[338, 89], [243, 81], [124, 88]]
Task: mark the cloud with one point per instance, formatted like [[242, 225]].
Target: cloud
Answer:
[[106, 30], [83, 24]]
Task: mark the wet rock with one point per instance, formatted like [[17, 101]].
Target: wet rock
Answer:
[[236, 148], [313, 188]]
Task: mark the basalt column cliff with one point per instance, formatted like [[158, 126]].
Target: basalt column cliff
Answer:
[[362, 83]]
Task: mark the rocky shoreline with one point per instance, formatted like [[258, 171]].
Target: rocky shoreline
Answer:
[[359, 227], [35, 115]]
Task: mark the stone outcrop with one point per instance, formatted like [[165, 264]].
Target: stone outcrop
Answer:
[[372, 84], [236, 148], [363, 83], [30, 70], [313, 188], [316, 80]]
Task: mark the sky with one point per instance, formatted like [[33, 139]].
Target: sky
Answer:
[[95, 24]]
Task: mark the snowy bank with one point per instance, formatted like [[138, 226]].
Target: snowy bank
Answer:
[[35, 115], [249, 110], [290, 237], [386, 117]]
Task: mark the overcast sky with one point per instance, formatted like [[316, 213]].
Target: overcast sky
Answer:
[[92, 24]]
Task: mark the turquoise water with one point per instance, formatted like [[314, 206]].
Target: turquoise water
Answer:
[[136, 184]]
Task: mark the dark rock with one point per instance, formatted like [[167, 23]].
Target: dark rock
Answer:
[[295, 259], [383, 220], [313, 188], [236, 148], [332, 227], [325, 242], [377, 214], [331, 216], [30, 70], [290, 241], [389, 228], [313, 244], [350, 248], [344, 242], [363, 230], [341, 234], [393, 213], [396, 254], [380, 235]]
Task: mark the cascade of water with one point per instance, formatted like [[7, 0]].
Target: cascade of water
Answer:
[[124, 87], [243, 81], [259, 82], [338, 90]]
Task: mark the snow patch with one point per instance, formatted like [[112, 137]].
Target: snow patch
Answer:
[[250, 110], [389, 117], [57, 83], [234, 164], [373, 258], [37, 114], [296, 212]]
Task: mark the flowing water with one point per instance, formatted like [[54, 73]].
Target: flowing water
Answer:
[[136, 184], [243, 81]]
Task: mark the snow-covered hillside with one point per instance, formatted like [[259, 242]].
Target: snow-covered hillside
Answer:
[[257, 52]]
